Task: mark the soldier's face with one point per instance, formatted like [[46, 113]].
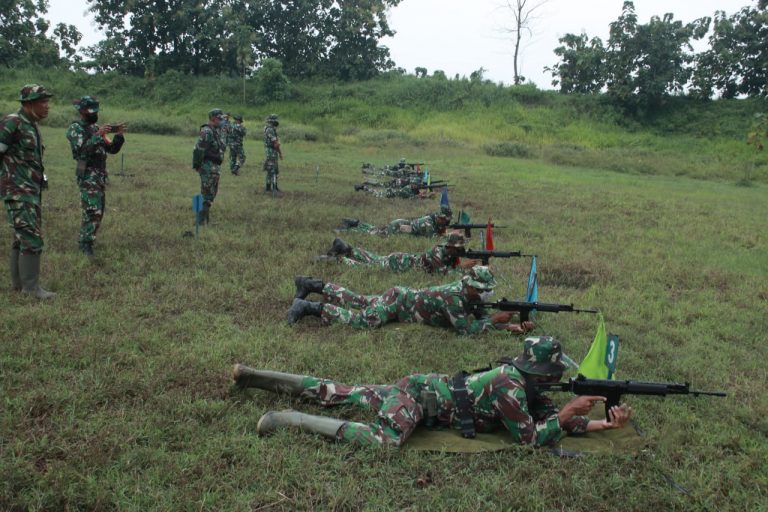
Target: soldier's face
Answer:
[[38, 108], [215, 121]]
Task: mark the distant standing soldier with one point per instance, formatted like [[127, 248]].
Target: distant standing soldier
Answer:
[[235, 143], [206, 160], [21, 184], [90, 145], [273, 151]]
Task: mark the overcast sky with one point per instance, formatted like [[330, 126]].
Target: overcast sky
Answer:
[[461, 36]]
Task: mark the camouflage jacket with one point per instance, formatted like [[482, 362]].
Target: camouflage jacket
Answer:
[[424, 226], [21, 149], [445, 306], [437, 259], [270, 138], [499, 399], [210, 142], [90, 147], [236, 135]]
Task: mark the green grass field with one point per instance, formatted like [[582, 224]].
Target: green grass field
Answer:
[[117, 395]]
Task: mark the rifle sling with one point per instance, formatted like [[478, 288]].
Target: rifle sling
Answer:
[[463, 405]]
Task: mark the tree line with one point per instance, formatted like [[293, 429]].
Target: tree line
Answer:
[[639, 66]]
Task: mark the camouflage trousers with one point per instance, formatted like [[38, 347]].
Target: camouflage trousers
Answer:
[[398, 407], [396, 226], [394, 262], [236, 157], [388, 193], [26, 220], [374, 310], [92, 205], [272, 170], [209, 181]]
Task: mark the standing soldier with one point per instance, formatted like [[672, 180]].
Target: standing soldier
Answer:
[[206, 160], [90, 145], [21, 184], [235, 144], [272, 150]]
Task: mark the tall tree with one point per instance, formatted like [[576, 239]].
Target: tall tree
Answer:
[[582, 64], [737, 59], [523, 16], [24, 39]]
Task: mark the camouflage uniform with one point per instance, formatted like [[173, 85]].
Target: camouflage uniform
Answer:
[[436, 259], [497, 397], [89, 149], [21, 148], [210, 143], [272, 151], [442, 306], [420, 226], [235, 144]]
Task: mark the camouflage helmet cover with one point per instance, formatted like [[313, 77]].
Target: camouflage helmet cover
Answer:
[[33, 92], [455, 240], [480, 277], [274, 119], [542, 355], [216, 112], [89, 104], [446, 210], [238, 117]]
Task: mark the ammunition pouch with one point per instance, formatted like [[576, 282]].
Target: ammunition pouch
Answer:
[[463, 406], [197, 158], [428, 401]]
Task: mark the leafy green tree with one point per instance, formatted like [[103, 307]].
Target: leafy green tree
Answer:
[[582, 64], [737, 59], [272, 83]]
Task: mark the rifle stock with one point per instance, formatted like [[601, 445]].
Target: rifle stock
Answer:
[[613, 390]]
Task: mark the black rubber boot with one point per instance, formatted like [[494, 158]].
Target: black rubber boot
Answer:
[[278, 382], [339, 248], [29, 271], [350, 223], [14, 267], [87, 249], [268, 187], [301, 308], [359, 187], [322, 425], [306, 285]]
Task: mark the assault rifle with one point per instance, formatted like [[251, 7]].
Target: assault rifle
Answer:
[[613, 389], [469, 227], [485, 256], [525, 308], [434, 184]]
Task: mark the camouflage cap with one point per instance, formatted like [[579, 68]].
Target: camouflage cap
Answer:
[[446, 210], [273, 118], [542, 355], [89, 104], [33, 92], [455, 240], [238, 117], [402, 161], [480, 277], [216, 112]]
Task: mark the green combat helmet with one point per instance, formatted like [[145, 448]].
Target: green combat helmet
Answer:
[[542, 355], [446, 210], [273, 119], [89, 104], [239, 118], [480, 277], [457, 240], [216, 112], [33, 92]]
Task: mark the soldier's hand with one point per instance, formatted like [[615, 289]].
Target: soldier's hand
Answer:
[[520, 328], [501, 317], [469, 263], [619, 415], [120, 128], [104, 129], [581, 405]]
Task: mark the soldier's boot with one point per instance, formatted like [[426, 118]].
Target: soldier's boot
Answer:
[[306, 285], [339, 248], [277, 382], [350, 223], [272, 420], [87, 249], [359, 187], [14, 266], [207, 214], [301, 308], [29, 271], [204, 214], [277, 189], [268, 187]]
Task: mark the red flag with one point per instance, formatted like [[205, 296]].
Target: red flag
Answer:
[[489, 236]]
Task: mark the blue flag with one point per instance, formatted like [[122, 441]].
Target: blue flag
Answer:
[[444, 199], [425, 179], [532, 294]]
